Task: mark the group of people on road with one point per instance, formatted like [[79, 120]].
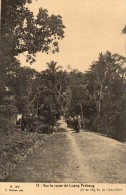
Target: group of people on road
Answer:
[[25, 122], [74, 122], [29, 122]]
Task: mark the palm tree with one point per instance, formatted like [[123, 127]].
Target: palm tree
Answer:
[[52, 67]]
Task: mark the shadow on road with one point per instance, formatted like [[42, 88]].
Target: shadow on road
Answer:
[[61, 130]]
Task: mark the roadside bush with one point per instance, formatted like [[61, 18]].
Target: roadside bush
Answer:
[[5, 124]]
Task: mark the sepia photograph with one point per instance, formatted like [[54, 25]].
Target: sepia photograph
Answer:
[[63, 93]]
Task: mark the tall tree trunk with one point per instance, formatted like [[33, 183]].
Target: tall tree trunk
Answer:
[[36, 114], [94, 92], [82, 116], [100, 97]]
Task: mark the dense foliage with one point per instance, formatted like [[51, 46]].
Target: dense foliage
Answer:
[[98, 95], [106, 83], [21, 32]]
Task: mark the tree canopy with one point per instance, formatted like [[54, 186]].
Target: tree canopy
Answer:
[[98, 95], [23, 32]]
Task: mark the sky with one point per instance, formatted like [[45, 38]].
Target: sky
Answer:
[[92, 26]]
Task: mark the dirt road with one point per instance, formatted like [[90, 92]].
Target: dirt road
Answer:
[[74, 157]]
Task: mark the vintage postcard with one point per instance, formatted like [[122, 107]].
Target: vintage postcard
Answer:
[[63, 97]]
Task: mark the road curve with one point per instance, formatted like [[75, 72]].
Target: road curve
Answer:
[[67, 156]]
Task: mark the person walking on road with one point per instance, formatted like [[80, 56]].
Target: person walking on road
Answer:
[[76, 125]]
